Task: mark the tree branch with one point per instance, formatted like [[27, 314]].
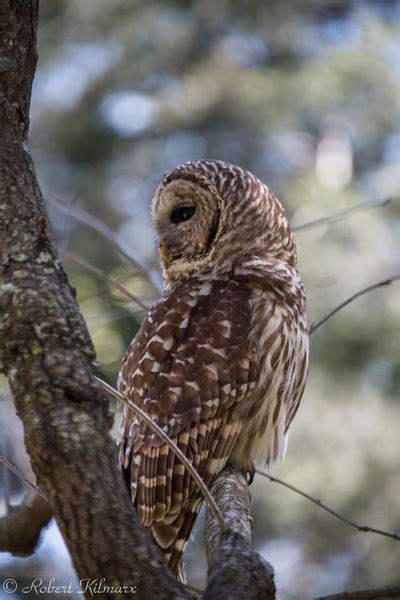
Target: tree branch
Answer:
[[233, 553], [105, 277], [14, 469], [377, 594], [362, 528], [20, 529], [5, 472], [369, 288], [81, 215], [342, 214]]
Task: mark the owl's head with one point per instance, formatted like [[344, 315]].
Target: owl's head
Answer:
[[210, 214]]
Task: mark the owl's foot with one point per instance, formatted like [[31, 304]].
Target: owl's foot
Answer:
[[251, 474]]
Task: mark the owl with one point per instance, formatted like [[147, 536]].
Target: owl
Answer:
[[220, 362]]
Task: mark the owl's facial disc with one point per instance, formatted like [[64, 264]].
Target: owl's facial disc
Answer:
[[186, 217]]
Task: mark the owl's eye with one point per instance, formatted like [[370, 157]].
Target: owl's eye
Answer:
[[182, 213]]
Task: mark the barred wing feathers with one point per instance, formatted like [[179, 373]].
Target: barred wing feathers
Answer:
[[190, 362]]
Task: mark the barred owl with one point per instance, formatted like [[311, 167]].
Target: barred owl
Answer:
[[220, 362]]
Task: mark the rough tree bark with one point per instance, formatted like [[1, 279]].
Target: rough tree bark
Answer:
[[234, 554], [47, 354]]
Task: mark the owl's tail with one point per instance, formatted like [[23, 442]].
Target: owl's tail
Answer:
[[172, 536]]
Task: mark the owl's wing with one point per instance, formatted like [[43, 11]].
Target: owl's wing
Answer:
[[190, 362]]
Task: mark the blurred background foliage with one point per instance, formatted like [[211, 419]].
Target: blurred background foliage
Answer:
[[306, 95]]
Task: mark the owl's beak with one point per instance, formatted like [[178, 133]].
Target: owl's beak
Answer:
[[164, 253]]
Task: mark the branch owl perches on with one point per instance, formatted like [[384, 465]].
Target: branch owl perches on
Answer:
[[220, 362]]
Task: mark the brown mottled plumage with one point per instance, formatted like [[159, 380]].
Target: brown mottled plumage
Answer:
[[220, 362]]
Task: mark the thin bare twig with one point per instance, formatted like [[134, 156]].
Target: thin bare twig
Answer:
[[114, 314], [14, 469], [6, 472], [362, 528], [177, 451], [96, 224], [378, 594], [106, 289], [383, 282], [65, 235], [342, 214], [195, 591], [105, 277]]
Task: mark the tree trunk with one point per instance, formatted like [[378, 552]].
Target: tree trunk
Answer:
[[47, 354]]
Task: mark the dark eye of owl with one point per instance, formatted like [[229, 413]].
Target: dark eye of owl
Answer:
[[182, 213]]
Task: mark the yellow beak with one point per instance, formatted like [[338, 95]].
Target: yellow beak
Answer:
[[164, 252]]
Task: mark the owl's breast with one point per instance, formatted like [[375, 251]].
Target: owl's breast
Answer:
[[280, 339]]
